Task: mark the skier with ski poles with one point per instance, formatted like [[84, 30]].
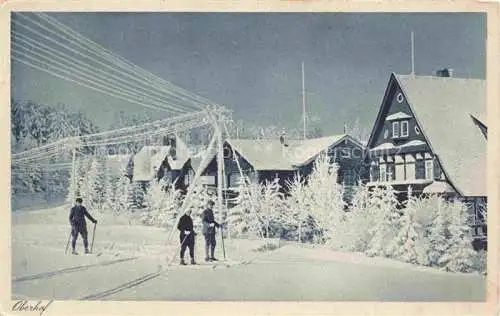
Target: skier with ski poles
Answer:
[[187, 236], [209, 225], [79, 225]]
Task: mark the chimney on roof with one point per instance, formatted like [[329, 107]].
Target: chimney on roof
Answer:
[[445, 72]]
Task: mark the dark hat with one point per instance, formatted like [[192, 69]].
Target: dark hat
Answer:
[[211, 202], [79, 200]]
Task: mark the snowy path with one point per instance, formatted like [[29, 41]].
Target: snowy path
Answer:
[[131, 256]]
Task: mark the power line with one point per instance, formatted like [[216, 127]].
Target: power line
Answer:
[[65, 69], [71, 60], [160, 82], [90, 46]]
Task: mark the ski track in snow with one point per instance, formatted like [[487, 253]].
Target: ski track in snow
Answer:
[[134, 265]]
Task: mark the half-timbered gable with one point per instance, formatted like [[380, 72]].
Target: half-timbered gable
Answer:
[[430, 134]]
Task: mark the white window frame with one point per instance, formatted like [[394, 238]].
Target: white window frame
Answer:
[[429, 169], [395, 129], [407, 129]]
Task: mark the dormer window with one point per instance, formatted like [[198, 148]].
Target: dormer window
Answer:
[[395, 129], [404, 129]]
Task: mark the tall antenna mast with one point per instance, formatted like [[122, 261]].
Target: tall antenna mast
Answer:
[[303, 100], [412, 53]]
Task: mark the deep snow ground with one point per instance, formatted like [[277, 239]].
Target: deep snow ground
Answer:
[[131, 254]]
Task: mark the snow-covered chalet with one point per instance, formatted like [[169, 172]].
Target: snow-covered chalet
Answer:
[[170, 162], [430, 133], [282, 159]]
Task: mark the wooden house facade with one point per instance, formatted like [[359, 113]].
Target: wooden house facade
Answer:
[[267, 160], [430, 134]]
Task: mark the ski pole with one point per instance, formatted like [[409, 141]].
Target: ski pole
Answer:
[[93, 236], [222, 238], [67, 244], [177, 250]]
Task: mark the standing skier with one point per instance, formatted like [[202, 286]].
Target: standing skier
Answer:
[[209, 225], [186, 236], [78, 224]]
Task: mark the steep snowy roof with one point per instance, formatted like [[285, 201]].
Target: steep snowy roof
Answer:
[[118, 163], [443, 108], [307, 150], [263, 154], [271, 155], [147, 162]]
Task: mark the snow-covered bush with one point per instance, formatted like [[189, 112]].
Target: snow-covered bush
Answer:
[[163, 203]]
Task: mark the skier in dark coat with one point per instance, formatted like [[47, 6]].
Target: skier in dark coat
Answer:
[[79, 225], [209, 225], [186, 236]]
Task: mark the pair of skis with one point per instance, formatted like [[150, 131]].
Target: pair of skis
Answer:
[[91, 245]]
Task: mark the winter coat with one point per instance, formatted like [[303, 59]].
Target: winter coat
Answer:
[[185, 223], [77, 216], [208, 218]]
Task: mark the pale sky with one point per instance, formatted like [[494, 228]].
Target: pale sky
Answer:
[[250, 62]]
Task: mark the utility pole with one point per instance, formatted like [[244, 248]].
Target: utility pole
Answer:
[[304, 100], [220, 180], [73, 171], [412, 54]]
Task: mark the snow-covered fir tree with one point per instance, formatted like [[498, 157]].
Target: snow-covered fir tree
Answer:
[[244, 218], [122, 195], [93, 185], [409, 244], [163, 201], [439, 234], [460, 256], [110, 187], [270, 207], [294, 217], [360, 220], [327, 204], [386, 220]]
